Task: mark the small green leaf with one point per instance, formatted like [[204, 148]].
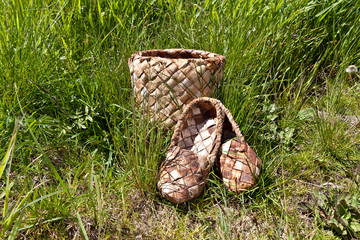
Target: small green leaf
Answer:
[[355, 226], [306, 114], [335, 225], [306, 206]]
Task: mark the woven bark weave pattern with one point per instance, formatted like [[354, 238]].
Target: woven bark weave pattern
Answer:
[[192, 151], [239, 165], [166, 80]]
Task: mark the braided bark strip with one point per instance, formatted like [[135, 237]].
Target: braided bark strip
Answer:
[[193, 150], [239, 165], [165, 80]]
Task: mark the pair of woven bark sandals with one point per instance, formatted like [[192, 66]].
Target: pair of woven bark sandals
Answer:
[[204, 127], [170, 85]]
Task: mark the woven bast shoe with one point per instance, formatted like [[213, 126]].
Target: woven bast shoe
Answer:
[[193, 150], [239, 165]]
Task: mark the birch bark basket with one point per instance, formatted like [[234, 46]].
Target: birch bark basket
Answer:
[[165, 80]]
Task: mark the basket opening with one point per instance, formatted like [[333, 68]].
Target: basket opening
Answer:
[[183, 54]]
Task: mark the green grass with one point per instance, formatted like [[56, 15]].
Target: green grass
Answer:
[[84, 164]]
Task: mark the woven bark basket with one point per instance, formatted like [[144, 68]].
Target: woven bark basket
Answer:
[[239, 166], [193, 150], [165, 80]]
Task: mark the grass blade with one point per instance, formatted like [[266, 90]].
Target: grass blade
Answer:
[[10, 150], [16, 228]]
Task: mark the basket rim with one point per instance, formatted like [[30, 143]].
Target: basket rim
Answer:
[[177, 53]]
